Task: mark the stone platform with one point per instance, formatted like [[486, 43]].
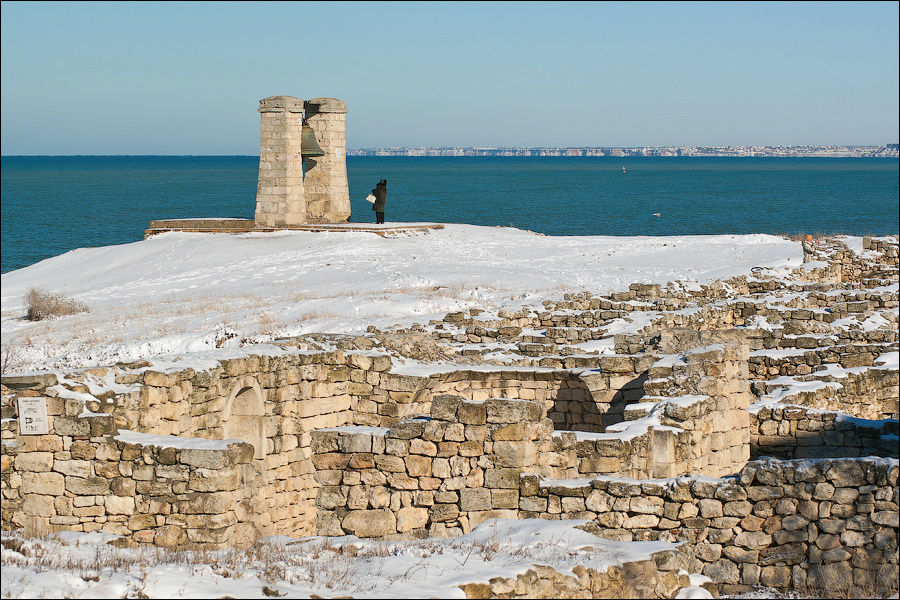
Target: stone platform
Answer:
[[219, 225]]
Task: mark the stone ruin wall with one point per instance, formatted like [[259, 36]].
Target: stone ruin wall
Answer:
[[81, 478], [271, 402], [551, 437], [785, 524], [444, 474], [799, 432], [822, 523]]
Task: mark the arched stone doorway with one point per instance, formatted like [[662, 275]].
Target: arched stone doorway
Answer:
[[245, 415]]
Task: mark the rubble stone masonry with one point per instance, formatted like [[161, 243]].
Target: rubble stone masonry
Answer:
[[753, 420]]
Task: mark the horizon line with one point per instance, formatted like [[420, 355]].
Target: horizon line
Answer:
[[393, 148]]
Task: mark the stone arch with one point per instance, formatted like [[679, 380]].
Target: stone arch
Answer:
[[245, 417]]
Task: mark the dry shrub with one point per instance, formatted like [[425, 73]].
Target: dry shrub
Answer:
[[41, 304], [10, 359]]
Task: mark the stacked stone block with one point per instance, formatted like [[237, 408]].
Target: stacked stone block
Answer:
[[437, 476], [798, 432], [294, 394], [660, 577], [583, 400], [823, 523], [80, 477], [710, 395], [442, 474]]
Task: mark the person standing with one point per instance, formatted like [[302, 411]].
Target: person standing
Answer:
[[380, 193], [809, 249]]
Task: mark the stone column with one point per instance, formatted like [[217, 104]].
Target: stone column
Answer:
[[279, 189], [325, 183]]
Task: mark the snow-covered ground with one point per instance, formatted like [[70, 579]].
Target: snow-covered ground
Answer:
[[79, 565], [190, 292]]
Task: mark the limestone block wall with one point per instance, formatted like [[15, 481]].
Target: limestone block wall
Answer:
[[85, 475], [280, 197], [870, 393], [385, 398], [822, 523], [437, 476], [638, 450], [445, 473], [720, 441], [797, 432], [770, 365], [583, 400], [863, 387], [325, 181], [695, 422], [285, 398], [273, 402], [886, 247], [276, 402]]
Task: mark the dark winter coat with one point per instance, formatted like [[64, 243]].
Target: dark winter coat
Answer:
[[380, 196]]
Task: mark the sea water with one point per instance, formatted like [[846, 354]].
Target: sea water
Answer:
[[51, 205]]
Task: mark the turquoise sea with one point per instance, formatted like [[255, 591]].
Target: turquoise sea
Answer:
[[54, 204]]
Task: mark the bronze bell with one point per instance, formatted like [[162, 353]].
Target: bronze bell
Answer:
[[309, 147]]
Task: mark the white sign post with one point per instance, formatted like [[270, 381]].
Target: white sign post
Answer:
[[33, 416]]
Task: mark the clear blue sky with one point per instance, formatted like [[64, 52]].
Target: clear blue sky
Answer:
[[171, 78]]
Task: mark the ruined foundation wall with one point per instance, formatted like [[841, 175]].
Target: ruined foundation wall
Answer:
[[823, 523], [272, 402], [780, 523], [580, 400], [83, 476], [659, 577], [445, 473], [796, 432]]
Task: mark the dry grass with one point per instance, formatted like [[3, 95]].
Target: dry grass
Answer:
[[41, 304], [10, 359], [269, 323], [316, 315], [840, 588], [313, 564]]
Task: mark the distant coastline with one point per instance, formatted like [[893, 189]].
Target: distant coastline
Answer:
[[837, 151], [832, 151]]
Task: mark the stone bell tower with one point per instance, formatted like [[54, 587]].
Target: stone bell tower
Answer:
[[325, 183], [284, 195]]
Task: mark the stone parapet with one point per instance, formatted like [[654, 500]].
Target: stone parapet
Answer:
[[279, 104]]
